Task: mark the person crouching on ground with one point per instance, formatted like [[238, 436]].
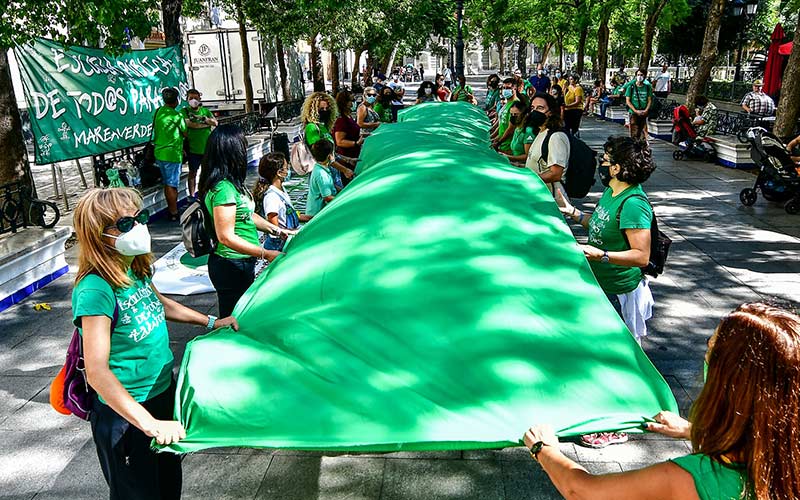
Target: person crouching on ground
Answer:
[[122, 319], [321, 189], [272, 202], [744, 432], [231, 267]]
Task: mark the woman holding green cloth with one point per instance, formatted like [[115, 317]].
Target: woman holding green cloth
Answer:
[[463, 92], [384, 105], [318, 115], [231, 267], [524, 134], [744, 425]]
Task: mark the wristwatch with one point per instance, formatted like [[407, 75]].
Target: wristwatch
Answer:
[[604, 258], [535, 449], [211, 321]]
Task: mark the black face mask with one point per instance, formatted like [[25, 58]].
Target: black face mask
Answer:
[[536, 119], [603, 170], [493, 84], [324, 115], [514, 119]]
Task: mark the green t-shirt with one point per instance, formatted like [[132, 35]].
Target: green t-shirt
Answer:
[[605, 232], [168, 135], [492, 97], [639, 95], [320, 186], [384, 112], [225, 193], [503, 123], [198, 137], [713, 481], [139, 356], [522, 136], [317, 131], [463, 94]]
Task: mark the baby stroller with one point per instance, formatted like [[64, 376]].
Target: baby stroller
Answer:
[[691, 147], [778, 177]]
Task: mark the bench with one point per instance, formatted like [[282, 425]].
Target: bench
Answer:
[[31, 247], [731, 152]]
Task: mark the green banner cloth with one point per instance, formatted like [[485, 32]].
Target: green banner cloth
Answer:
[[439, 302], [84, 102]]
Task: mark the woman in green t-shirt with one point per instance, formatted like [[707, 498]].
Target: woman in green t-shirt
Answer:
[[231, 266], [122, 321], [744, 425], [523, 137], [318, 115]]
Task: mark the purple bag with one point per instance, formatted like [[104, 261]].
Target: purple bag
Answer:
[[78, 394]]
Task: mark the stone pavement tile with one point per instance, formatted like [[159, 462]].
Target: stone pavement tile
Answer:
[[442, 479], [515, 453], [15, 392], [312, 478], [80, 479], [634, 450], [35, 356], [427, 455], [527, 480], [223, 476], [32, 459]]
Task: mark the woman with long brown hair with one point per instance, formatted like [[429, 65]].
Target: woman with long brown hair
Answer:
[[122, 321], [744, 425]]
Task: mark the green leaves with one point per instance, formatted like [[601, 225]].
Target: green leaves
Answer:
[[87, 22]]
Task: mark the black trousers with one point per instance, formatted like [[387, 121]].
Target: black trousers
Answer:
[[132, 470], [572, 120], [231, 278]]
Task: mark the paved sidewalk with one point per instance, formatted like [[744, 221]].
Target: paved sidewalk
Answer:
[[723, 254]]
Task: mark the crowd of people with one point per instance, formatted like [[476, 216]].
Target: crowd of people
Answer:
[[741, 427]]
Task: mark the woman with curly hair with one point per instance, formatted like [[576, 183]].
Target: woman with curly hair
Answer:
[[619, 242], [744, 432], [318, 115], [426, 92]]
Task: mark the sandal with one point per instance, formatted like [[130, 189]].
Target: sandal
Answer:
[[603, 439]]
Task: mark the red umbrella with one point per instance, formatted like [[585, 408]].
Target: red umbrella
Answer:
[[786, 49], [774, 69]]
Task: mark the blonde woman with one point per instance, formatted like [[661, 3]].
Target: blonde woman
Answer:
[[122, 320], [366, 116], [318, 116]]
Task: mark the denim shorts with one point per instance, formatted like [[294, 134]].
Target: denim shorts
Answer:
[[170, 173]]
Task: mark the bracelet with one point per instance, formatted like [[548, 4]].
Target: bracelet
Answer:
[[211, 322], [580, 216]]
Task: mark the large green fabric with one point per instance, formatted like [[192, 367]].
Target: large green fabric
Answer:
[[439, 302]]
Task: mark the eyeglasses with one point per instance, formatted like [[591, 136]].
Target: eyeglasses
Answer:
[[125, 224]]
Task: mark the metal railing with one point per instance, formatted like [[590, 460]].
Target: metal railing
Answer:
[[18, 209], [249, 122]]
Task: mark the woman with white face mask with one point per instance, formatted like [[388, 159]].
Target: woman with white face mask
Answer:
[[426, 92], [366, 116], [122, 320]]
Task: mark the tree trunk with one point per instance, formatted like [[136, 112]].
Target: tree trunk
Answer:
[[14, 160], [171, 12], [650, 26], [501, 53], [285, 87], [369, 69], [356, 67], [708, 54], [248, 82], [388, 62], [334, 71], [522, 55], [317, 75], [561, 53], [603, 34], [546, 52], [582, 49], [789, 104]]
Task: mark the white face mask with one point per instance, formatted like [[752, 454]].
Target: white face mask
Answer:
[[194, 103], [134, 242], [428, 91], [639, 78], [541, 72]]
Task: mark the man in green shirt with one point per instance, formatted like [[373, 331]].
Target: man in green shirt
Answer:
[[639, 98], [502, 140], [169, 130], [199, 121]]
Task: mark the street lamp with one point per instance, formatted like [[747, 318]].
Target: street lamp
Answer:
[[749, 9], [460, 39]]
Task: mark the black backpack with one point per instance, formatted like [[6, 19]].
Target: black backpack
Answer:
[[659, 242], [197, 230], [581, 167]]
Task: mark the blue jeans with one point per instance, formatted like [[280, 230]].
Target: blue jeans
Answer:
[[605, 102]]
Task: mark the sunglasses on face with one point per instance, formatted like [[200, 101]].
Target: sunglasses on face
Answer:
[[125, 224]]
